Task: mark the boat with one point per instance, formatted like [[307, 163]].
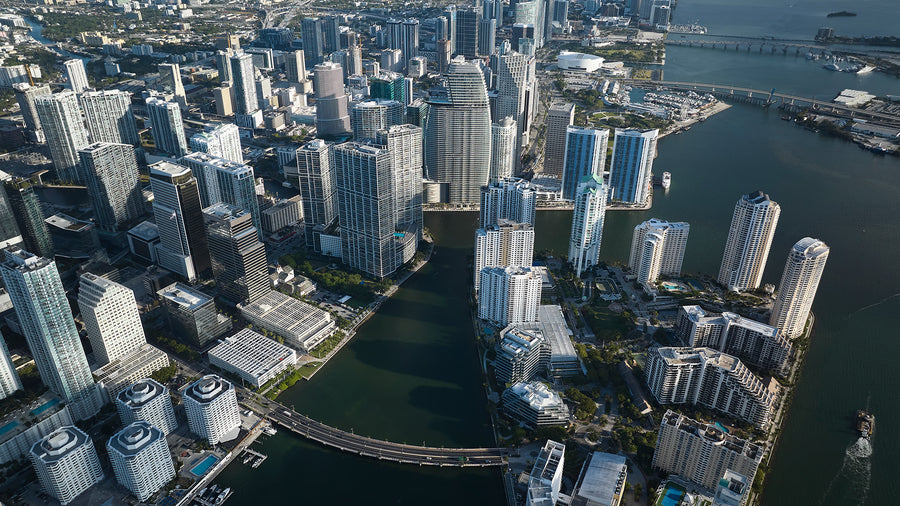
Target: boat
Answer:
[[865, 423], [269, 431], [841, 14], [786, 117], [666, 180], [865, 69]]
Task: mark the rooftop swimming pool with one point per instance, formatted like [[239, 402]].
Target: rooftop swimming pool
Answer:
[[8, 427], [44, 407]]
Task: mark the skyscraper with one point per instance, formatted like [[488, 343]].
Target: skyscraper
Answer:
[[221, 180], [170, 83], [467, 22], [403, 35], [179, 217], [632, 165], [26, 208], [503, 149], [749, 239], [657, 248], [76, 75], [331, 33], [450, 13], [64, 129], [111, 174], [223, 65], [317, 181], [512, 74], [39, 300], [404, 144], [9, 378], [238, 258], [458, 134], [587, 223], [509, 295], [313, 40], [503, 245], [370, 116], [487, 37], [244, 83], [366, 204], [332, 117], [111, 318], [9, 228], [221, 141], [149, 401], [25, 95], [585, 155], [66, 463], [212, 409], [559, 118], [799, 282], [388, 86], [508, 199], [140, 459], [295, 66], [167, 127], [109, 117]]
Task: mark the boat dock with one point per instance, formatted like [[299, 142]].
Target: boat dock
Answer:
[[252, 458]]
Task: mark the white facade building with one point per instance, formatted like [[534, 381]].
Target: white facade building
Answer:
[[749, 239], [509, 295], [221, 141], [602, 480], [657, 248], [147, 401], [122, 372], [253, 357], [302, 325], [546, 475], [535, 405], [503, 245], [212, 409], [140, 459], [9, 378], [66, 463], [60, 117], [76, 74], [111, 318], [167, 126], [109, 117], [587, 223], [510, 199], [503, 149], [799, 282]]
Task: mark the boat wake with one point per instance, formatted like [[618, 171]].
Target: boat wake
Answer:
[[874, 304], [851, 483]]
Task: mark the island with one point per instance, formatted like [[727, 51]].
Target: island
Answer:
[[841, 14]]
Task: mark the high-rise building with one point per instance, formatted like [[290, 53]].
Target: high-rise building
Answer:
[[222, 96], [192, 314], [467, 21], [39, 300], [559, 118], [509, 199], [512, 75], [799, 282], [313, 40], [503, 245], [221, 180], [64, 130], [388, 86], [212, 409], [487, 37], [66, 463], [755, 343], [76, 75], [700, 453], [631, 170], [331, 33], [535, 405], [317, 180], [509, 295], [111, 175], [443, 55], [450, 13], [332, 117], [25, 95], [140, 459], [170, 83], [10, 234], [749, 240], [585, 155], [238, 257], [243, 82], [458, 134], [366, 204], [221, 141], [111, 318], [657, 248], [546, 476], [179, 217], [404, 145], [403, 35], [223, 65], [370, 116], [26, 209], [295, 66], [587, 223], [354, 61], [503, 149], [109, 117], [711, 379], [522, 355], [147, 401], [9, 378], [167, 127]]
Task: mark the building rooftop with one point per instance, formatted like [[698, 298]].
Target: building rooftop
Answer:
[[537, 395], [225, 211], [168, 169], [602, 479], [141, 393], [24, 261], [134, 361], [66, 222], [59, 443], [18, 421], [252, 353], [145, 230], [184, 296], [207, 389], [134, 438]]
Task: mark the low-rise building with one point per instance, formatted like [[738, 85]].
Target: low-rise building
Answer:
[[732, 490], [546, 475], [212, 409], [602, 481], [66, 463], [285, 213], [302, 325], [149, 401], [140, 459], [123, 372], [22, 428], [535, 405], [253, 357]]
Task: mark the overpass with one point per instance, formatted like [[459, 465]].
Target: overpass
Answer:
[[766, 98], [385, 450]]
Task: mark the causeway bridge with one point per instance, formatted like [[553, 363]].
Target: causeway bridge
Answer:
[[765, 46], [385, 450], [766, 98]]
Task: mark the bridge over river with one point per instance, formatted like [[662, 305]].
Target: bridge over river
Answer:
[[385, 450]]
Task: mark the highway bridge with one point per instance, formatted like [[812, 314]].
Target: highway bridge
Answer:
[[762, 97], [385, 450]]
